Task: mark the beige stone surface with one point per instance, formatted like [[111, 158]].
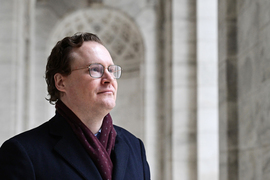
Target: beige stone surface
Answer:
[[167, 94]]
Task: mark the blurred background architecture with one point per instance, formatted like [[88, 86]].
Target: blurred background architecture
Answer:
[[195, 85]]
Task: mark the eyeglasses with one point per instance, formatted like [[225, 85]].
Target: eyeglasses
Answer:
[[96, 70]]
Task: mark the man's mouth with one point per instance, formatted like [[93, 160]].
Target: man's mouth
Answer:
[[106, 92]]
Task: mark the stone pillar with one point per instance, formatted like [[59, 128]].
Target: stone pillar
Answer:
[[228, 101], [14, 58], [207, 77], [164, 92], [184, 90]]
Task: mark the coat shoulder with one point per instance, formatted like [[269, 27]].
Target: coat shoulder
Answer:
[[40, 136]]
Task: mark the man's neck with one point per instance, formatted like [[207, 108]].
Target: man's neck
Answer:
[[92, 119]]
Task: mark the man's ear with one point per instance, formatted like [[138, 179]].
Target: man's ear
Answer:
[[59, 82]]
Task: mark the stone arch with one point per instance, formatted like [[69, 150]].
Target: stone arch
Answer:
[[122, 38]]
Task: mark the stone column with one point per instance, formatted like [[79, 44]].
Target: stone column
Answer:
[[14, 59], [228, 100], [207, 78], [184, 90], [164, 54]]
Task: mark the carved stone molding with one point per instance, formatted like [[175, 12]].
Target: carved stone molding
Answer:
[[117, 31]]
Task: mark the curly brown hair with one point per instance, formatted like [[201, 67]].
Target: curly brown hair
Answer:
[[59, 60]]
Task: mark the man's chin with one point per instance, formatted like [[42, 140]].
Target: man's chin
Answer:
[[109, 105]]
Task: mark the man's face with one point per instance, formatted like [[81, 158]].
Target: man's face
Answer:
[[84, 92]]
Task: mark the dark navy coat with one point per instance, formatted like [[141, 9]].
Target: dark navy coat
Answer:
[[53, 152]]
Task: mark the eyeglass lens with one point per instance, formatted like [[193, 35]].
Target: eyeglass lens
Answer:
[[97, 70]]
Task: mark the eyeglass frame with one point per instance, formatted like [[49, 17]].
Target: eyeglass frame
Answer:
[[103, 69]]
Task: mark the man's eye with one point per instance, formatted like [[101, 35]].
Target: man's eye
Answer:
[[111, 70], [95, 69]]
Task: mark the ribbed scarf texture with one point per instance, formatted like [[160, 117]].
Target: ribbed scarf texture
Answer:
[[98, 149]]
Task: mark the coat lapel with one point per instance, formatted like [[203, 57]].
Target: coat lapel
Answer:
[[121, 153], [72, 151]]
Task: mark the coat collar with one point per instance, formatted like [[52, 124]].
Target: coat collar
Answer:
[[73, 152]]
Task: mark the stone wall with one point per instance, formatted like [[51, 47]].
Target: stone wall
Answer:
[[244, 70]]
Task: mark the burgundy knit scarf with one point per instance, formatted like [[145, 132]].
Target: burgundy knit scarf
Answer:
[[98, 149]]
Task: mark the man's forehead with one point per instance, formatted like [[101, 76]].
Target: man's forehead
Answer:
[[88, 52]]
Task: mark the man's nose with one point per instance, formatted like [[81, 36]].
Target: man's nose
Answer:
[[107, 76]]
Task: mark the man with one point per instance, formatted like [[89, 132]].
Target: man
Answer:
[[80, 141]]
